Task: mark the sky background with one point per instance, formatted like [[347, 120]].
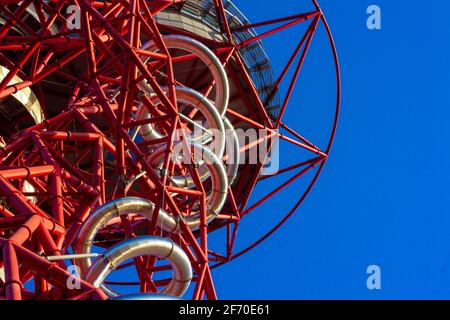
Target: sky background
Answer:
[[383, 196]]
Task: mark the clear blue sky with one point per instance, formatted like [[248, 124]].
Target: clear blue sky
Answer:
[[383, 196]]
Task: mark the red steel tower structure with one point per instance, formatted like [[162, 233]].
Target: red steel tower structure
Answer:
[[97, 98]]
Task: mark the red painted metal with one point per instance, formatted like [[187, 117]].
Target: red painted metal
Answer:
[[83, 155]]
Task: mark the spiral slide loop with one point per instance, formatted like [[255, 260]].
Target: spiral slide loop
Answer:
[[208, 57], [198, 101], [144, 246], [111, 210]]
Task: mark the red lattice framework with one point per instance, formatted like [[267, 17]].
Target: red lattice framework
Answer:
[[54, 174]]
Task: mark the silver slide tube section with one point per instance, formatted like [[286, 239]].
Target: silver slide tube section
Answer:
[[209, 59], [233, 151], [198, 101], [144, 246], [30, 102], [25, 97], [113, 209], [219, 181], [72, 256], [146, 296]]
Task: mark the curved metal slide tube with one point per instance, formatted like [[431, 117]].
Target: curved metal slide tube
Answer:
[[219, 181], [209, 59], [111, 210], [144, 246], [195, 100]]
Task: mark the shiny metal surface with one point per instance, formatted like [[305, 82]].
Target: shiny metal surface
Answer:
[[194, 99], [209, 59], [144, 246], [113, 209], [233, 151]]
